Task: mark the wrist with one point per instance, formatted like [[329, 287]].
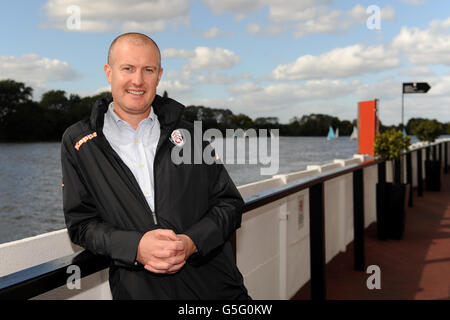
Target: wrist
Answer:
[[190, 247]]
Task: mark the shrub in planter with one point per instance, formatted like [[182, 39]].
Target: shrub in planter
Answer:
[[391, 197], [429, 130]]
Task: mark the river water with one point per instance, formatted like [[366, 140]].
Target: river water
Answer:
[[30, 173]]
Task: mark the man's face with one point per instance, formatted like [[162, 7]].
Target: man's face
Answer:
[[134, 74]]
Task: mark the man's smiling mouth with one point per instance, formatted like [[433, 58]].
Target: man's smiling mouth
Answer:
[[135, 92]]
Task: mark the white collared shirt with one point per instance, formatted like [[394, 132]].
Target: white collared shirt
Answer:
[[136, 148]]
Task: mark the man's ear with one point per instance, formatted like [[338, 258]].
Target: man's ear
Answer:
[[160, 75], [108, 71]]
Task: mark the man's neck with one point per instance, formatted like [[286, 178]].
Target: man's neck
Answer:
[[132, 119]]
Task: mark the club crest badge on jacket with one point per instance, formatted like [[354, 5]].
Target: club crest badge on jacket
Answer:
[[177, 138]]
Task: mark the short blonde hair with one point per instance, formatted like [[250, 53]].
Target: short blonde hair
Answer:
[[137, 39]]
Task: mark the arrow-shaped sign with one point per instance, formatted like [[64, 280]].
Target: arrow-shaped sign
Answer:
[[416, 87]]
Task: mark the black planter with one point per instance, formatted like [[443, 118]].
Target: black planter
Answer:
[[433, 175], [391, 202]]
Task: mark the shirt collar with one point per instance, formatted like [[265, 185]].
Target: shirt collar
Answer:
[[150, 119]]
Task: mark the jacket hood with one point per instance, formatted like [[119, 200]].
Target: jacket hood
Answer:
[[168, 111]]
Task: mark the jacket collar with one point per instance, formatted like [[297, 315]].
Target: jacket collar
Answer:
[[168, 111]]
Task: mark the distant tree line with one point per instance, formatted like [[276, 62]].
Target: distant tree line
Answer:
[[22, 119]]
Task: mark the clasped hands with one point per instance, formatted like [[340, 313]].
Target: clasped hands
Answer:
[[163, 251]]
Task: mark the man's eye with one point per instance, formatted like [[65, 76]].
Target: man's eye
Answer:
[[126, 68], [149, 70]]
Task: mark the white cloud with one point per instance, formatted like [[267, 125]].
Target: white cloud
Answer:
[[204, 58], [440, 25], [244, 88], [287, 10], [106, 15], [304, 17], [172, 53], [238, 7], [339, 63], [36, 71], [215, 78], [337, 98], [211, 33], [429, 46], [415, 2], [417, 71], [175, 88], [270, 30], [325, 20], [439, 86], [253, 28], [101, 89], [382, 90], [254, 100], [212, 59], [215, 32]]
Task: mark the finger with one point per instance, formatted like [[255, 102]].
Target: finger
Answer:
[[176, 268], [153, 270], [176, 259], [166, 233], [171, 245], [160, 266], [164, 254]]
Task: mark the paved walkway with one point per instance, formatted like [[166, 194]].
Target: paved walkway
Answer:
[[416, 267]]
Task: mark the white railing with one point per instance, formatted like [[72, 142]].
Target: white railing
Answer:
[[272, 245]]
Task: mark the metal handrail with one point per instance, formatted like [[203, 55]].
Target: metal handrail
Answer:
[[44, 277]]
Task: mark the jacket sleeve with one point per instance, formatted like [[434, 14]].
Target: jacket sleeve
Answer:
[[224, 213], [84, 224]]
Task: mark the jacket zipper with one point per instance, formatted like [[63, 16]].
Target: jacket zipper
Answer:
[[163, 137], [115, 155], [154, 216]]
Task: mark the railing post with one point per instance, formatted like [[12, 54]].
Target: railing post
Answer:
[[358, 220], [382, 172], [446, 157], [397, 171], [317, 242], [419, 173], [409, 178]]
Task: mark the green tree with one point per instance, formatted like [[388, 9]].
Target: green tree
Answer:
[[345, 128], [242, 121], [54, 100], [317, 124], [18, 113], [428, 130], [266, 123], [413, 123], [13, 95]]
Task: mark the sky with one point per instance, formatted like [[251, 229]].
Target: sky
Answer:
[[263, 58]]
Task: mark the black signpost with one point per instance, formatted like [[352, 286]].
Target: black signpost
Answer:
[[413, 87]]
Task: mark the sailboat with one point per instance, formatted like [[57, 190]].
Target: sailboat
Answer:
[[354, 135], [404, 132], [337, 133], [331, 134]]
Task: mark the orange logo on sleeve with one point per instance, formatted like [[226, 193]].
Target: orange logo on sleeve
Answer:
[[84, 139]]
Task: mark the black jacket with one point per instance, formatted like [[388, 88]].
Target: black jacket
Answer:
[[107, 213]]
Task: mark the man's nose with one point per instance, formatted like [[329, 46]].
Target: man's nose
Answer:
[[138, 78]]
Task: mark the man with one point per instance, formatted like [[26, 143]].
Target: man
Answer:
[[164, 226]]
